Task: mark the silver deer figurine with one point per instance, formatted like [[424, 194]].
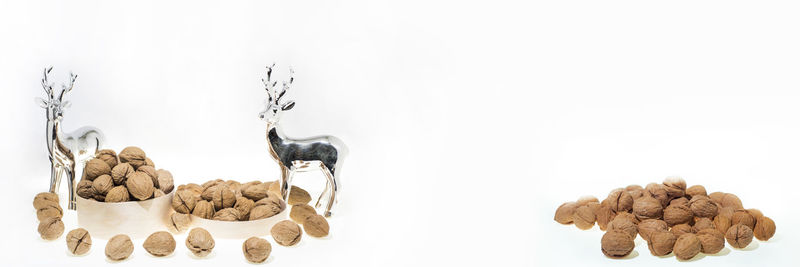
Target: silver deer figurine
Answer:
[[296, 155], [68, 152]]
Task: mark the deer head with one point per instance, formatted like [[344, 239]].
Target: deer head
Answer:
[[55, 105], [274, 106]]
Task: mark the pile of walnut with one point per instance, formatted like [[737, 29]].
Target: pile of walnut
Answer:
[[49, 213], [230, 200], [670, 217], [131, 176]]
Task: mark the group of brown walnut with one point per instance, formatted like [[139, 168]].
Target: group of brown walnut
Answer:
[[131, 176], [670, 217]]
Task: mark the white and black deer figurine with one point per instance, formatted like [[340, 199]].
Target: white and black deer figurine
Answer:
[[295, 155], [68, 151]]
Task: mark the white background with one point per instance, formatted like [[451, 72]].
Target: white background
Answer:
[[468, 123]]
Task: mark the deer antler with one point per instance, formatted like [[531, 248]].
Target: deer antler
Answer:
[[65, 89], [269, 85], [286, 84], [48, 87]]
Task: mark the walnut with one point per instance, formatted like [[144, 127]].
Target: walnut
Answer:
[[727, 212], [677, 214], [300, 196], [616, 243], [94, 168], [604, 215], [317, 226], [235, 186], [765, 228], [659, 192], [149, 162], [274, 187], [661, 243], [681, 229], [108, 156], [208, 192], [165, 182], [227, 214], [200, 242], [696, 190], [49, 210], [739, 236], [585, 200], [132, 155], [702, 224], [159, 244], [623, 223], [244, 205], [648, 227], [117, 194], [703, 206], [731, 200], [223, 197], [256, 250], [755, 213], [211, 183], [255, 192], [647, 208], [584, 217], [102, 184], [722, 223], [711, 241], [194, 188], [565, 213], [179, 222], [619, 200], [687, 246], [119, 247], [248, 184], [267, 207], [301, 212], [158, 193], [121, 172], [79, 241], [151, 172], [636, 191], [680, 201], [286, 233], [743, 217], [675, 186], [140, 185], [85, 189], [44, 199], [51, 228], [716, 197], [184, 201], [203, 209]]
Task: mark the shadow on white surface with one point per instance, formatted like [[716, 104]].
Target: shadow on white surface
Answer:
[[752, 246], [120, 261], [209, 256], [697, 257], [723, 252]]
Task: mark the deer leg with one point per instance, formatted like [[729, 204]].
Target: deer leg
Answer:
[[71, 183], [330, 190], [286, 182], [55, 177]]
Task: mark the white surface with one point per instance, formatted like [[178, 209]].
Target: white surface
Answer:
[[468, 123]]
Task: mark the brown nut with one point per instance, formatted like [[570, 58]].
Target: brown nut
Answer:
[[739, 236], [301, 212], [140, 185], [79, 241], [604, 215], [227, 214], [149, 162], [85, 189], [223, 197], [677, 214], [132, 155], [584, 217], [585, 200], [300, 196], [687, 246], [565, 213], [117, 194], [159, 244], [102, 184], [165, 182], [119, 247], [244, 205], [648, 227], [274, 187], [702, 223], [765, 228], [624, 223], [51, 228], [200, 242], [731, 200], [255, 192], [616, 243], [683, 201], [696, 190], [647, 207], [49, 210], [211, 183], [151, 172], [659, 192], [267, 207], [184, 201], [108, 156], [286, 233], [743, 217], [711, 241], [722, 223], [317, 226], [681, 229], [203, 209], [179, 222], [44, 199], [620, 200], [675, 186], [158, 193], [256, 250], [661, 243], [94, 168], [636, 191], [208, 192], [196, 189], [703, 206], [121, 172]]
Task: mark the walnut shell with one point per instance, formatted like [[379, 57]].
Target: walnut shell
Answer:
[[731, 200], [119, 247], [108, 156], [274, 187], [79, 241], [584, 217], [149, 162], [677, 214], [739, 236], [625, 224], [208, 192], [702, 223], [244, 205], [255, 192], [159, 244], [85, 189], [256, 250], [286, 233], [121, 172], [184, 201], [151, 172], [300, 196], [681, 229], [211, 183], [680, 201], [620, 200], [165, 181], [648, 227], [49, 210], [140, 185], [196, 189], [51, 228], [203, 209], [585, 200], [711, 241], [765, 228], [317, 226], [661, 243], [102, 184], [227, 214], [616, 243], [604, 215], [687, 246], [267, 207], [133, 155], [94, 168], [179, 222], [647, 208], [743, 217], [659, 192], [703, 206], [636, 191], [223, 197], [695, 190], [44, 199], [675, 186], [565, 213], [301, 212], [722, 223], [117, 194], [199, 242]]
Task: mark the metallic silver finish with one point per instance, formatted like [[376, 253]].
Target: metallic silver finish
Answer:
[[68, 151], [298, 155]]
